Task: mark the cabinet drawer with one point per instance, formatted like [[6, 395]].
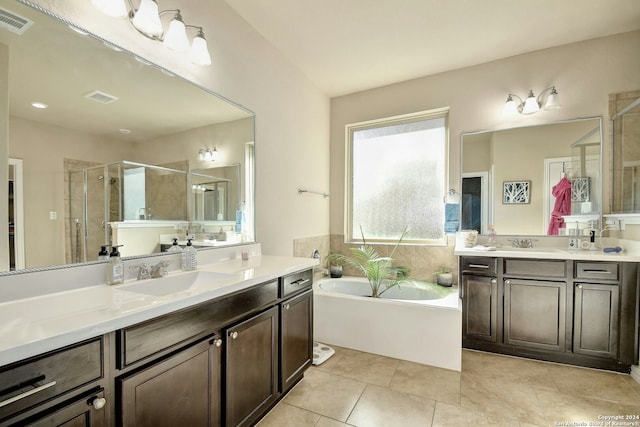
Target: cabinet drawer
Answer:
[[295, 283], [176, 329], [33, 381], [597, 270], [534, 268], [485, 266]]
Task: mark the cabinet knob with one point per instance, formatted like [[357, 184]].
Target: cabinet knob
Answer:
[[98, 402], [579, 286], [233, 335], [286, 306], [218, 342]]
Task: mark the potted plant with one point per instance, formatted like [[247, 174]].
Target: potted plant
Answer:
[[335, 266], [444, 277], [379, 271]]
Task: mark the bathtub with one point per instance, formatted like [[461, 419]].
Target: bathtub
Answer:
[[406, 323]]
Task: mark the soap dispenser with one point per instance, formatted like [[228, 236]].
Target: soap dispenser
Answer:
[[174, 246], [189, 257], [115, 269], [103, 255]]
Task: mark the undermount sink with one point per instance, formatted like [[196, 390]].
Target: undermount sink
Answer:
[[176, 283]]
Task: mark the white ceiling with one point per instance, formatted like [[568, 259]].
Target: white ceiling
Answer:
[[346, 46]]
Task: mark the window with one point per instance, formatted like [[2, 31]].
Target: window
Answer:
[[396, 176]]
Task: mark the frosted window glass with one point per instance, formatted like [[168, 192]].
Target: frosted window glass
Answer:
[[398, 179]]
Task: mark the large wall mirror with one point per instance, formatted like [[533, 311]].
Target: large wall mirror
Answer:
[[508, 177], [117, 155]]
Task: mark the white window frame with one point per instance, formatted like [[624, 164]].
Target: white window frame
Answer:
[[348, 191]]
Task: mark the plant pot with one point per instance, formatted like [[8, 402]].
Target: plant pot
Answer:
[[335, 271], [444, 279]]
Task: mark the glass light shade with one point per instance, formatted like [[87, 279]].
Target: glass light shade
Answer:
[[208, 155], [147, 18], [553, 101], [176, 37], [530, 104], [113, 8], [200, 51], [214, 155], [510, 107]]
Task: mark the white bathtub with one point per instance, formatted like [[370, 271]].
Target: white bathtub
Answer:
[[406, 323]]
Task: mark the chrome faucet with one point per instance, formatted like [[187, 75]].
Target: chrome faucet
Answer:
[[143, 271], [159, 270]]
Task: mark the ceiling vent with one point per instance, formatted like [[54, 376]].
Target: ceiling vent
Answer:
[[14, 23], [101, 97]]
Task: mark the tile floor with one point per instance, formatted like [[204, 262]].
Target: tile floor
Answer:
[[361, 389]]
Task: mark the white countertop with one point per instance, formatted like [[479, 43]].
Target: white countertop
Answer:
[[553, 248], [34, 325]]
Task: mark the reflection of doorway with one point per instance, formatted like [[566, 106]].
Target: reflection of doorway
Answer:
[[475, 202], [16, 216]]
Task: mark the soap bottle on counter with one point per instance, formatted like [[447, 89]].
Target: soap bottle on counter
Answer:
[[189, 257], [103, 255], [115, 269], [174, 246], [491, 236]]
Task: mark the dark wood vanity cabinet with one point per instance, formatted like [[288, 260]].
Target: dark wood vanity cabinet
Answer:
[[296, 338], [251, 357], [62, 387], [183, 389], [577, 312]]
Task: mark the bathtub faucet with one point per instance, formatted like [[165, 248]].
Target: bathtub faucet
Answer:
[[316, 255]]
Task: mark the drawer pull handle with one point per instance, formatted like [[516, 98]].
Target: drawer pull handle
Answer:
[[301, 282], [98, 402], [26, 394], [597, 271], [478, 266]]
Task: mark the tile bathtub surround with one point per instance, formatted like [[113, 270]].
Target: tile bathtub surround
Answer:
[[360, 389]]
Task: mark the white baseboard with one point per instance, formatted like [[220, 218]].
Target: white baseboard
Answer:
[[635, 373]]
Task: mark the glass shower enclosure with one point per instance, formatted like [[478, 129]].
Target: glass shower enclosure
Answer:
[[120, 192]]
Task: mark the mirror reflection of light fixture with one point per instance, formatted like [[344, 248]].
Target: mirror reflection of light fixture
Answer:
[[547, 100], [208, 155], [146, 19]]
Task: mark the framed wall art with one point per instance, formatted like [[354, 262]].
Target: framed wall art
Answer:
[[516, 192]]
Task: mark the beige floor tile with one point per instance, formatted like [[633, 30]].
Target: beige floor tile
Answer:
[[284, 415], [593, 383], [516, 370], [366, 367], [562, 407], [328, 422], [427, 381], [635, 386], [382, 407], [501, 398], [447, 415], [326, 394]]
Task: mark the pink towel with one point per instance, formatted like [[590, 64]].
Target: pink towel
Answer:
[[562, 206]]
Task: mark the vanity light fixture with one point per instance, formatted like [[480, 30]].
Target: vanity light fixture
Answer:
[[146, 19], [208, 155], [547, 100]]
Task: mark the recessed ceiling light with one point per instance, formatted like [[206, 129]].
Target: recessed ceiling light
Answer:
[[40, 105]]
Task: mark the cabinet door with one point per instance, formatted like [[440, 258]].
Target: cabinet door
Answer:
[[296, 338], [534, 313], [81, 413], [180, 390], [480, 304], [596, 319], [251, 367]]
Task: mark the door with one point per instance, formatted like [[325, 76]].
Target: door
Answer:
[[296, 338], [181, 390], [480, 306], [251, 367], [596, 319], [534, 313]]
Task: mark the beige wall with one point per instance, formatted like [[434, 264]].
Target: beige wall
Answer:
[[584, 73], [292, 124], [4, 166]]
